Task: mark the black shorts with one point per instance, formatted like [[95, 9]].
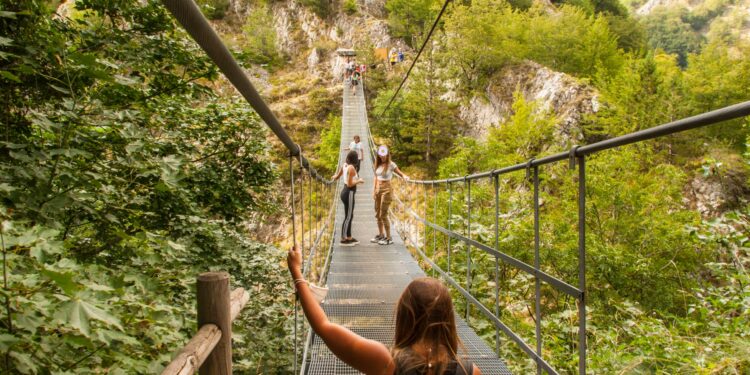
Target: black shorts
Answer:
[[355, 82]]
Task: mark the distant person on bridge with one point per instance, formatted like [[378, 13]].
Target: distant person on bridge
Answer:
[[355, 81], [349, 68], [425, 342], [382, 194], [356, 145], [351, 180]]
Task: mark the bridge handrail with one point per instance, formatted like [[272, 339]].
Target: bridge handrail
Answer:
[[193, 355], [191, 18], [485, 311], [576, 156]]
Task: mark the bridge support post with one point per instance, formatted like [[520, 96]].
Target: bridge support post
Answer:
[[214, 307]]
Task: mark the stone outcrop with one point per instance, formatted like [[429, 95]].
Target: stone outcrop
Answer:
[[723, 190], [301, 32], [560, 94]]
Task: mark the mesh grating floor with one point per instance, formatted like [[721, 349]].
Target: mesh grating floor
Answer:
[[365, 281]]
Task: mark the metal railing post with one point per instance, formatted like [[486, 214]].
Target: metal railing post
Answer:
[[537, 282], [435, 218], [581, 264], [450, 218], [311, 213], [496, 180], [424, 242], [468, 248]]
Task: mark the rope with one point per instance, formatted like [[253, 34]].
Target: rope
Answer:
[[414, 62]]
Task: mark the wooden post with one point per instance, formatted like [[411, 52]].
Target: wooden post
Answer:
[[214, 307]]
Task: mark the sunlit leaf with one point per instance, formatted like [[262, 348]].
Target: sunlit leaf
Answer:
[[64, 280], [9, 76], [77, 314], [7, 341]]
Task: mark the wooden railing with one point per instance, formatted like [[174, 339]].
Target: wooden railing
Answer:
[[210, 350]]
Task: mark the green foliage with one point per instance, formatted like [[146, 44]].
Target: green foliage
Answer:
[[122, 176], [632, 94], [716, 78], [259, 44], [528, 133], [488, 34], [631, 37], [350, 7], [329, 148], [668, 30], [727, 28], [408, 19], [420, 125], [214, 9]]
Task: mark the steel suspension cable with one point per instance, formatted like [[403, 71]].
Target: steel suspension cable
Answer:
[[191, 18], [414, 62]]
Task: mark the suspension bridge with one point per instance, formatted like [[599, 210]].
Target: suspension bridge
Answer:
[[366, 280]]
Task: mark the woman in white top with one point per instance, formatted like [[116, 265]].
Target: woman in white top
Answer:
[[351, 180], [384, 170]]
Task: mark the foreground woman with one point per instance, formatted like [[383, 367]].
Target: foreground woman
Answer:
[[426, 341]]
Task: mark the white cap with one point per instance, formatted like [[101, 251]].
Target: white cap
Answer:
[[383, 150]]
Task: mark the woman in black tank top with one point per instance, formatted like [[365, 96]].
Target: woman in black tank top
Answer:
[[426, 339]]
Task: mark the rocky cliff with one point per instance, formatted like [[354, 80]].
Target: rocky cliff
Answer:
[[566, 98]]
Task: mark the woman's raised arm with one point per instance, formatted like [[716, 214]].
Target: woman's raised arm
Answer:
[[367, 356], [337, 174]]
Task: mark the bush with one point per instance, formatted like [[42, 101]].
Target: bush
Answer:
[[259, 44], [321, 7], [350, 7], [214, 9]]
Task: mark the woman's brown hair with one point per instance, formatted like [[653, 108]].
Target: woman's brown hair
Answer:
[[425, 317], [352, 158]]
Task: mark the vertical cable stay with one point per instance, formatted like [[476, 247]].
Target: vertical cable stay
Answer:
[[414, 62]]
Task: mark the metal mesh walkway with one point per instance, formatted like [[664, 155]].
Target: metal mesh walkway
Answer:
[[366, 280]]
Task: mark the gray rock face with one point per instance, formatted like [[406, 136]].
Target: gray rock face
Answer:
[[300, 32], [567, 98], [711, 196]]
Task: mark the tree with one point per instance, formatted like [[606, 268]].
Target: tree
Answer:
[[667, 30], [408, 19], [122, 176]]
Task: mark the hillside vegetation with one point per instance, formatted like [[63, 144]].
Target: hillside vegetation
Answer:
[[122, 176], [667, 281]]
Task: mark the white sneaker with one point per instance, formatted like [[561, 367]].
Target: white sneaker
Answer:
[[385, 241], [376, 239]]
